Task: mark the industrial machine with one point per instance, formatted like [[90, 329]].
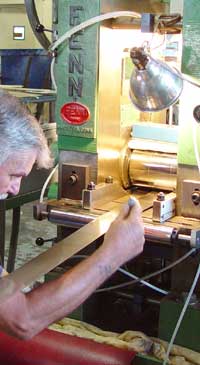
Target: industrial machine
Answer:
[[106, 153], [109, 150]]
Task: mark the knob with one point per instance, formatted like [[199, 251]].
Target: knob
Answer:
[[161, 196], [196, 197], [91, 185], [40, 241], [73, 179]]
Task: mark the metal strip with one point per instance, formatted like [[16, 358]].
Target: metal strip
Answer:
[[61, 251]]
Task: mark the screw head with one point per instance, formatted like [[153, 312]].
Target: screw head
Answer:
[[161, 196], [196, 197], [109, 180], [91, 185]]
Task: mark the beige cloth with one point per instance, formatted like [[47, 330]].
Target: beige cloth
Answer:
[[130, 340]]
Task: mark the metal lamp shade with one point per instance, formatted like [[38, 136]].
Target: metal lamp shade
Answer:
[[156, 87]]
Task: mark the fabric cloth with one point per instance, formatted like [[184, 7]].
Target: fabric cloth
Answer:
[[129, 340]]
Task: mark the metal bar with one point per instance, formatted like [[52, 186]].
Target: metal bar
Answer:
[[70, 218], [76, 219], [158, 233], [61, 251]]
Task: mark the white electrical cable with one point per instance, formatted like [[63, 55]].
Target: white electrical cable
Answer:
[[143, 281], [149, 275], [46, 183], [52, 73], [128, 274], [91, 21], [181, 316], [83, 25]]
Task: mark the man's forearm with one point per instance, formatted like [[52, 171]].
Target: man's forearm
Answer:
[[57, 298], [24, 315]]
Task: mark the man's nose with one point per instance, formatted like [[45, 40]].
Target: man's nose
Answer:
[[15, 186]]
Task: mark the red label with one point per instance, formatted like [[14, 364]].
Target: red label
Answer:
[[75, 113]]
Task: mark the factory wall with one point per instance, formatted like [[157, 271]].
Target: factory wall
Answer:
[[13, 13]]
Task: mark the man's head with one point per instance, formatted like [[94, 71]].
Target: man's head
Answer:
[[22, 143]]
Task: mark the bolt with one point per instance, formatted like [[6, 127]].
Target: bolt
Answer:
[[73, 179], [196, 197], [161, 196], [91, 185], [109, 180]]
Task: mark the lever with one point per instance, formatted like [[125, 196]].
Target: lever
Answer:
[[40, 241], [40, 28]]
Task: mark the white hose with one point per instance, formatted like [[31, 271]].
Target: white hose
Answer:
[[143, 281], [181, 316], [52, 73], [91, 21], [46, 183], [128, 274], [83, 25], [149, 275]]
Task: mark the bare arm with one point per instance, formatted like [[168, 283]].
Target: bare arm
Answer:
[[24, 315]]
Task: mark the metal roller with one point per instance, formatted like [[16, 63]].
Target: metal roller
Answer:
[[158, 233], [153, 232], [77, 219], [153, 169], [71, 218]]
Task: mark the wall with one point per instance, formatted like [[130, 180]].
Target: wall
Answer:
[[14, 13]]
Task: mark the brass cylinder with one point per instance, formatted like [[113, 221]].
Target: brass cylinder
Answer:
[[153, 169]]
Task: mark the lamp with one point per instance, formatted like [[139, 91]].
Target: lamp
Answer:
[[153, 84]]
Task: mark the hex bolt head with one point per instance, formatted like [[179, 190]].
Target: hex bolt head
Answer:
[[161, 196], [91, 185], [109, 180], [73, 179], [196, 197]]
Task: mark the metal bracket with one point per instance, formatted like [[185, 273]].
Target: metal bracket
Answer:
[[195, 238], [164, 209], [74, 178]]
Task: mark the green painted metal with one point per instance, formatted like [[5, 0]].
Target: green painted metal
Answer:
[[85, 50], [190, 66], [145, 360], [186, 154], [188, 334], [53, 191], [77, 144], [191, 35]]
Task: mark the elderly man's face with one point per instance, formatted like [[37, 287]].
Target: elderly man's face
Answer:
[[13, 169]]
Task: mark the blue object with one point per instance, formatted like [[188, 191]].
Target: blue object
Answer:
[[30, 65], [155, 132]]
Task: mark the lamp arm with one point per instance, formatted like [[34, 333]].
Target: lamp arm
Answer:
[[176, 72]]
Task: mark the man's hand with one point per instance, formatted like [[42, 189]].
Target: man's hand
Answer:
[[125, 237]]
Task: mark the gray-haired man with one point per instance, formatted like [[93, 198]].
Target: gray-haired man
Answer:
[[22, 144]]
